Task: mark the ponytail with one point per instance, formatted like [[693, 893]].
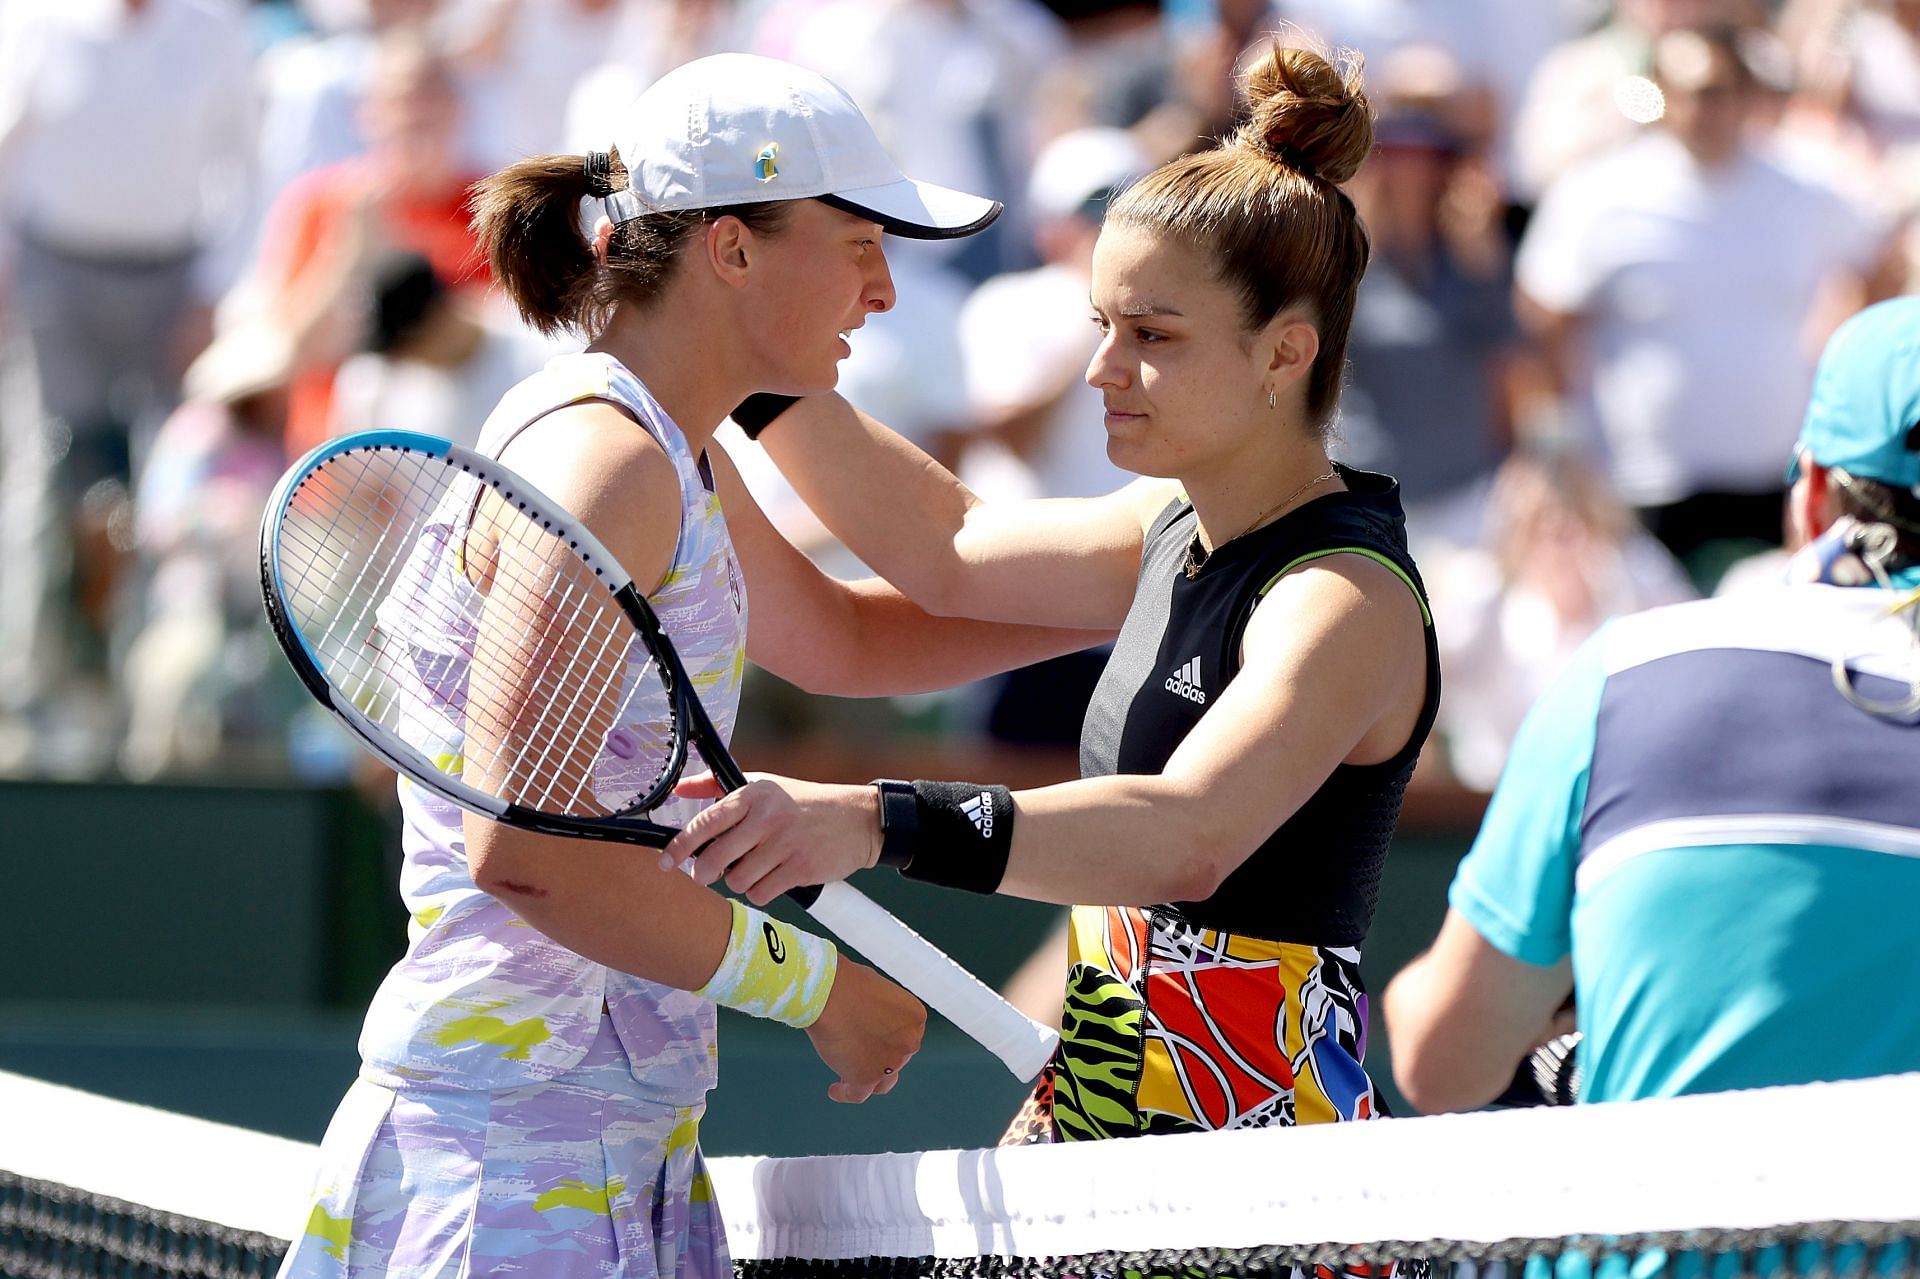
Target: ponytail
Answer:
[[527, 220]]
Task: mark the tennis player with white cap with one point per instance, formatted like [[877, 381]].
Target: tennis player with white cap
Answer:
[[535, 1067], [735, 128]]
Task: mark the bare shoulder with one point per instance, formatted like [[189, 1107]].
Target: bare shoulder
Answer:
[[1349, 595], [606, 470], [1353, 628]]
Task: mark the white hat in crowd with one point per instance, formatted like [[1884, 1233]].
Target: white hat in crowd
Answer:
[[736, 128], [1082, 166], [242, 361]]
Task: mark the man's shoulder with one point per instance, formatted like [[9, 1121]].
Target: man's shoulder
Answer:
[[1805, 618]]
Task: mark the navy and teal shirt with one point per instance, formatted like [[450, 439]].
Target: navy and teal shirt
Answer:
[[1728, 848]]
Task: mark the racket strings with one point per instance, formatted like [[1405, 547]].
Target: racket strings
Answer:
[[346, 528], [589, 736], [575, 687], [369, 666], [372, 561]]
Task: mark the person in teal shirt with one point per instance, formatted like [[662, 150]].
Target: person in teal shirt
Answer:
[[1709, 831]]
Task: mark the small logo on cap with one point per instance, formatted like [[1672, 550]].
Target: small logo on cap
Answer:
[[764, 166]]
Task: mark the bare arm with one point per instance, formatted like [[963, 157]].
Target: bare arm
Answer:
[[1334, 670], [612, 904], [1463, 1015], [863, 639], [1060, 562]]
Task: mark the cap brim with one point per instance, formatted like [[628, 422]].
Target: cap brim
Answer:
[[919, 210]]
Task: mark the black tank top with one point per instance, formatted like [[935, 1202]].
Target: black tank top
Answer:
[[1315, 880]]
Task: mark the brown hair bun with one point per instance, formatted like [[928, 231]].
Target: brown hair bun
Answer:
[[1308, 113]]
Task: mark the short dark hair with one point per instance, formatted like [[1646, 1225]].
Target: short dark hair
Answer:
[[406, 290], [1872, 502]]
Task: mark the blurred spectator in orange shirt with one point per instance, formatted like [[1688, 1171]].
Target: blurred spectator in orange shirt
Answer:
[[408, 191]]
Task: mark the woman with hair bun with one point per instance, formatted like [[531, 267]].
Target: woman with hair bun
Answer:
[[1274, 677]]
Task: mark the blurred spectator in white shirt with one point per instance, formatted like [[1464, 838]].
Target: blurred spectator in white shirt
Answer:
[[1035, 428], [1559, 556], [199, 670], [124, 165], [1680, 286], [1592, 94]]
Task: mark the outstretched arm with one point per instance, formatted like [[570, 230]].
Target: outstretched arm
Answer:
[[1334, 670], [865, 638], [1462, 1016], [605, 901], [1058, 562]]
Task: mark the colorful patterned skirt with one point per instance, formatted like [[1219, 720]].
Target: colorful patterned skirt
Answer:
[[580, 1176], [1170, 1027]]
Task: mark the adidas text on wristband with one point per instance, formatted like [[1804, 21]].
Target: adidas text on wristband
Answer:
[[963, 835]]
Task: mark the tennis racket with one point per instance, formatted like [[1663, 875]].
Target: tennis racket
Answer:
[[478, 639]]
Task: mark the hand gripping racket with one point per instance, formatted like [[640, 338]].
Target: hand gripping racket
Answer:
[[482, 642]]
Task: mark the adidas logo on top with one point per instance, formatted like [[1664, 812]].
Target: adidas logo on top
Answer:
[[979, 811], [1186, 682]]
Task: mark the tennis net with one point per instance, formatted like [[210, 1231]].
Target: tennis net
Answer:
[[1795, 1181]]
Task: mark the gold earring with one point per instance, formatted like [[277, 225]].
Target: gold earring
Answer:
[[1273, 399]]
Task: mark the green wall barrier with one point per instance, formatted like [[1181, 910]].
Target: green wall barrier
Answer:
[[209, 949]]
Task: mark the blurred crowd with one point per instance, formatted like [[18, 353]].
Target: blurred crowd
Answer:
[[1608, 243]]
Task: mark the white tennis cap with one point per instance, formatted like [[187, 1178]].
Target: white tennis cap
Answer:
[[736, 128]]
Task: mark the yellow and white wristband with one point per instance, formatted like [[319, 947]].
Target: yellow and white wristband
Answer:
[[773, 970]]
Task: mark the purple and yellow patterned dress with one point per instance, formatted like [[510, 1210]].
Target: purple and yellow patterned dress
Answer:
[[521, 1109]]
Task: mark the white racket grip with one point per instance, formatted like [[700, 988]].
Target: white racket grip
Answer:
[[1019, 1041]]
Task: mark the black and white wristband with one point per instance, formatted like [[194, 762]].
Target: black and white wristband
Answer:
[[757, 412], [955, 834]]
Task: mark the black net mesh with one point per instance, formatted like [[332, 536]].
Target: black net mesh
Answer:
[[50, 1231], [1831, 1249]]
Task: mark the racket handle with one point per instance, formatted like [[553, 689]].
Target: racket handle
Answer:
[[1023, 1044]]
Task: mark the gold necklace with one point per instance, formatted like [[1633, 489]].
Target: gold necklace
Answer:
[[1197, 559]]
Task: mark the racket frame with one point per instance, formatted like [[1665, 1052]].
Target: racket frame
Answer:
[[1024, 1046], [629, 825]]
